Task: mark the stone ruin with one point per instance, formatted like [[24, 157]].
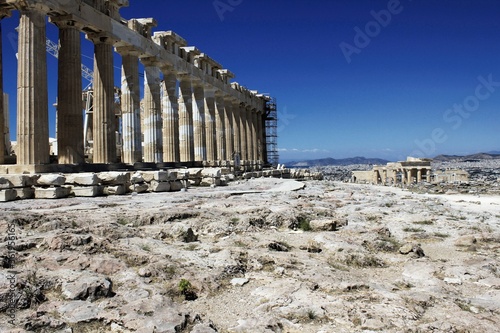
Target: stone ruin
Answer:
[[193, 115], [412, 171]]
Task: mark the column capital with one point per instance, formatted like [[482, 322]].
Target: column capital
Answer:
[[101, 38], [127, 51], [150, 61], [66, 21]]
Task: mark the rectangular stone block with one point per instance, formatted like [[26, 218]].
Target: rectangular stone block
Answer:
[[210, 181], [172, 175], [181, 173], [52, 193], [84, 179], [113, 178], [25, 193], [211, 172], [176, 186], [51, 179], [156, 186], [87, 191], [159, 176], [8, 195], [11, 181], [115, 190], [137, 178], [139, 188]]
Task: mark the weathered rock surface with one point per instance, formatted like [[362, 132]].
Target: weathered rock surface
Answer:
[[258, 257]]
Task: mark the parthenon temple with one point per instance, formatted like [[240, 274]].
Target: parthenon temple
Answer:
[[192, 114]]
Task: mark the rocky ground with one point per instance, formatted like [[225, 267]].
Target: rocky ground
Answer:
[[263, 255]]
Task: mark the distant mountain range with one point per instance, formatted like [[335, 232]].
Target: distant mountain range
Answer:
[[474, 157], [333, 161], [363, 160]]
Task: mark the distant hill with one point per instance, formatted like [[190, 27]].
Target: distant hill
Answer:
[[473, 157], [333, 161]]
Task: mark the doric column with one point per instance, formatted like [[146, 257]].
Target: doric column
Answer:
[[32, 99], [260, 137], [419, 175], [428, 175], [243, 132], [210, 128], [131, 106], [255, 143], [410, 172], [250, 139], [3, 14], [170, 113], [236, 127], [220, 127], [228, 124], [253, 130], [153, 146], [104, 135], [69, 94], [185, 120], [395, 177], [200, 145]]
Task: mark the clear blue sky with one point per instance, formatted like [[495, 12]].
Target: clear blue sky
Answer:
[[395, 96]]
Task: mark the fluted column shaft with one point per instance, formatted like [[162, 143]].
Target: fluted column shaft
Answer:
[[170, 113], [186, 120], [32, 99], [255, 136], [104, 101], [131, 109], [228, 119], [69, 97], [260, 137], [243, 132], [153, 146], [250, 134], [236, 127], [200, 145], [210, 128], [220, 127]]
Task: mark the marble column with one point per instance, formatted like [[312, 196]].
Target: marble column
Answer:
[[200, 145], [210, 128], [104, 135], [69, 95], [131, 106], [394, 177], [220, 127], [410, 175], [170, 112], [428, 175], [260, 138], [243, 132], [236, 127], [228, 124], [250, 137], [255, 139], [419, 175], [153, 146], [185, 120], [32, 99]]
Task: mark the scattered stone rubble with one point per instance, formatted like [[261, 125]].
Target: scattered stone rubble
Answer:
[[56, 186]]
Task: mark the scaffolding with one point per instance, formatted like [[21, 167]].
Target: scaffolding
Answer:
[[271, 121]]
